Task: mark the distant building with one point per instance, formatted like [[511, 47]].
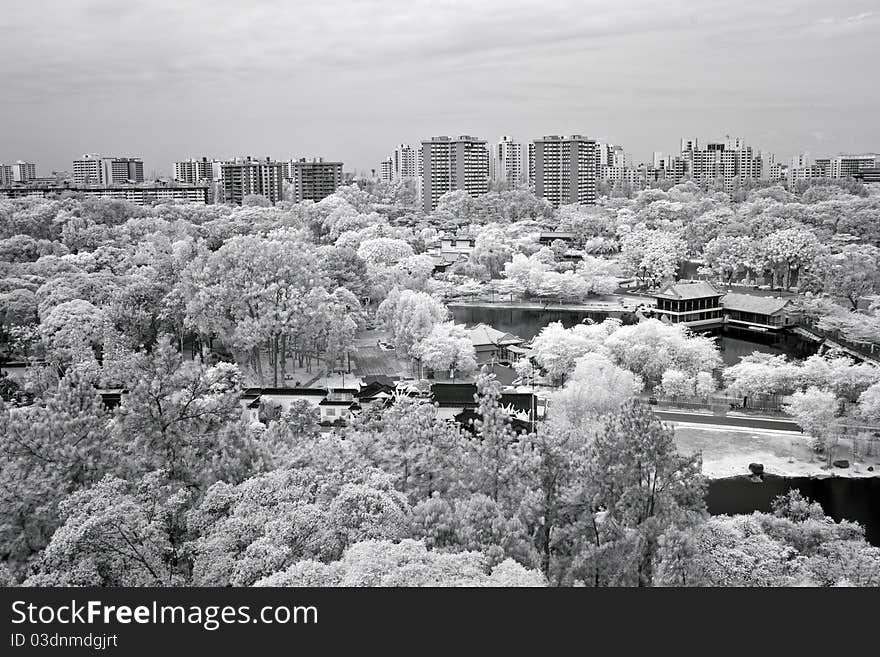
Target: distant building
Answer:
[[846, 166], [451, 163], [507, 163], [404, 163], [195, 171], [92, 169], [691, 304], [730, 162], [313, 180], [141, 194], [24, 172], [386, 170], [868, 175], [247, 176], [5, 175], [565, 169]]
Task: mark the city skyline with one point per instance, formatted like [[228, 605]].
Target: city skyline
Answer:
[[347, 81]]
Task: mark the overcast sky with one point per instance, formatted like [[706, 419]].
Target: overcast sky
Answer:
[[348, 79]]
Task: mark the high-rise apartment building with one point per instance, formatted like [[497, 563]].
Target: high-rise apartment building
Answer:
[[23, 172], [730, 162], [507, 163], [451, 163], [92, 169], [565, 169], [313, 180], [194, 171], [245, 176], [404, 163], [386, 170], [5, 175]]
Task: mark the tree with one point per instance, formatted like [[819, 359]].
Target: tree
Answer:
[[491, 250], [407, 563], [257, 292], [815, 410], [651, 347], [117, 533], [266, 523], [638, 477], [72, 333], [421, 452], [853, 273], [556, 349], [184, 417], [676, 383], [447, 348], [790, 253], [59, 444], [652, 255], [595, 388], [410, 316]]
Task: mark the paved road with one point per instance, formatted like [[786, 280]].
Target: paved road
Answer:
[[727, 420]]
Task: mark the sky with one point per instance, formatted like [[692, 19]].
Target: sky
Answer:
[[349, 79]]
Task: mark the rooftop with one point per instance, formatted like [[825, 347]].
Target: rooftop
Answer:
[[685, 291], [483, 334], [750, 303]]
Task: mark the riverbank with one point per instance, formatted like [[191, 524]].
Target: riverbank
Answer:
[[728, 451]]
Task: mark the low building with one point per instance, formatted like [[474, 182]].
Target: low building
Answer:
[[492, 345], [692, 304], [757, 312], [338, 406], [458, 401], [143, 194]]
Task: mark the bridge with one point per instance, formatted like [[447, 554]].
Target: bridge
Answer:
[[863, 351]]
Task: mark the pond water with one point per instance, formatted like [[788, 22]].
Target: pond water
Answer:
[[732, 343], [856, 499]]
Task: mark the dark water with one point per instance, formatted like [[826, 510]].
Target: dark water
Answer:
[[841, 498], [526, 323], [733, 343]]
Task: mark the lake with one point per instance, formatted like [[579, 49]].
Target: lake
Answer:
[[856, 499], [732, 343]]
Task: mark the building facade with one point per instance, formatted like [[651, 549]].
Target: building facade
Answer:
[[404, 162], [24, 172], [92, 169], [197, 170], [137, 194], [451, 163], [565, 169], [5, 175], [846, 166], [507, 163], [313, 180], [243, 177], [386, 170]]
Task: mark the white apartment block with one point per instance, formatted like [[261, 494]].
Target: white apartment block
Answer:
[[92, 169], [507, 163], [386, 170], [404, 162], [197, 170]]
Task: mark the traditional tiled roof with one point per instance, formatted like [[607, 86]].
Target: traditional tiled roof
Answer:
[[483, 334], [686, 291], [751, 303]]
